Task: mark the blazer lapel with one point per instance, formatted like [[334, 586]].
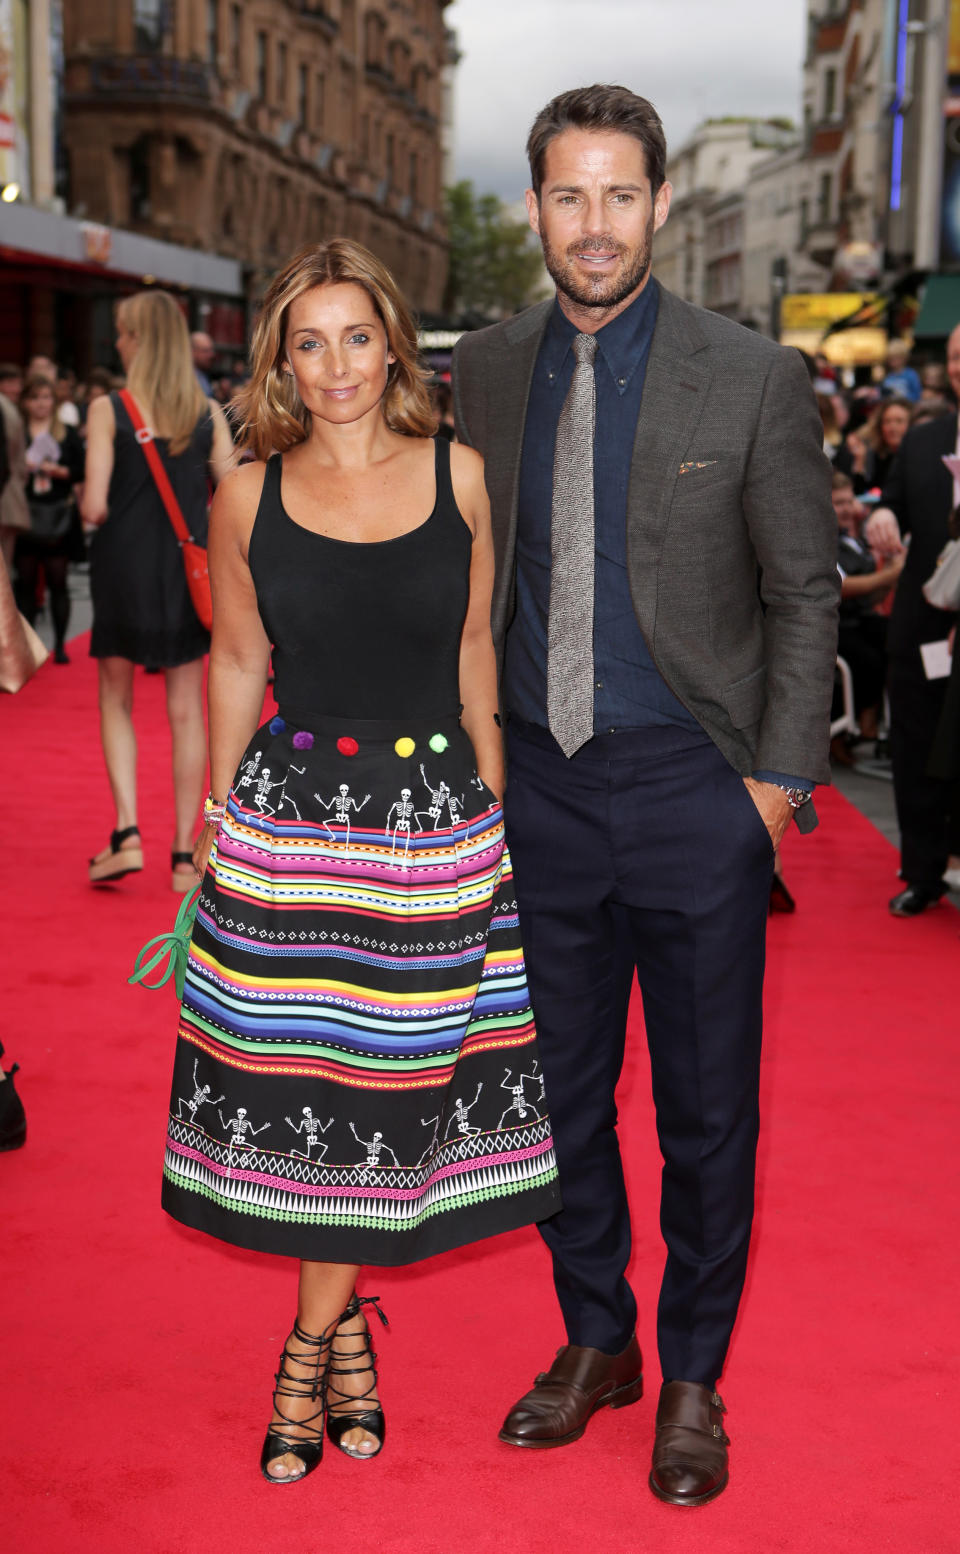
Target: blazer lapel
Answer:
[[674, 394], [509, 389]]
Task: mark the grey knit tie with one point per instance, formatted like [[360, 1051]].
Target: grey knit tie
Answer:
[[570, 628]]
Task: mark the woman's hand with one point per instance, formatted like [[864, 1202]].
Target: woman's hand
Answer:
[[201, 852]]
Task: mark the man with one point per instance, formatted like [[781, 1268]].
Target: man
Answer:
[[862, 641], [647, 462], [918, 497], [901, 379], [204, 352]]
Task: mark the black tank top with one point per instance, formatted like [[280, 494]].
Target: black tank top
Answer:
[[363, 629]]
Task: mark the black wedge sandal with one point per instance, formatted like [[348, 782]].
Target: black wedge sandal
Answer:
[[119, 861], [309, 1448], [351, 1414], [181, 883]]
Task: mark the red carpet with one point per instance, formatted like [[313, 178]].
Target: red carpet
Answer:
[[137, 1356]]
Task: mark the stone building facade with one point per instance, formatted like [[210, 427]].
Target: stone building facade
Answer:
[[248, 129]]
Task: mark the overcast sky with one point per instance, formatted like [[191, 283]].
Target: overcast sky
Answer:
[[692, 58]]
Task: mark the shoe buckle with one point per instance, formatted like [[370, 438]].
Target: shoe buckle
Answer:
[[718, 1402], [718, 1432]]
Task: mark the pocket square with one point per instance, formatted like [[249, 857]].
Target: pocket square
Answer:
[[691, 464]]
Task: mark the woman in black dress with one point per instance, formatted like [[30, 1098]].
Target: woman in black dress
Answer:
[[142, 612], [357, 1077], [54, 461]]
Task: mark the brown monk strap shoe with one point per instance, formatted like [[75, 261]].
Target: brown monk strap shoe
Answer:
[[690, 1449], [578, 1382]]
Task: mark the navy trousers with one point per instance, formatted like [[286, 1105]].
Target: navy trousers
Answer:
[[645, 853]]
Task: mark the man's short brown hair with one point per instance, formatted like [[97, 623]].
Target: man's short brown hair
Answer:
[[840, 481], [599, 108]]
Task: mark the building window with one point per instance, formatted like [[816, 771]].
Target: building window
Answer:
[[804, 219], [319, 99], [262, 66], [236, 34], [139, 162], [149, 24], [414, 174], [389, 160], [282, 74], [365, 136], [303, 96], [213, 32], [829, 93], [825, 196]]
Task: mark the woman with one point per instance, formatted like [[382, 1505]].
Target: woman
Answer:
[[142, 612], [357, 1078], [868, 454], [54, 465]]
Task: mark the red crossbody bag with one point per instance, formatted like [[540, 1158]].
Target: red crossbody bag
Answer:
[[194, 555]]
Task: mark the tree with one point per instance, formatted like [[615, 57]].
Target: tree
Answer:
[[495, 265]]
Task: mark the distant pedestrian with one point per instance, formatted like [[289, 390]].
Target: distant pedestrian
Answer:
[[54, 466], [142, 613], [204, 355]]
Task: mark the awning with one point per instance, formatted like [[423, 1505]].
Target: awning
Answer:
[[940, 308], [26, 230]]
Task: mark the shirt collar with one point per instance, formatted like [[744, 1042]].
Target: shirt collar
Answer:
[[622, 343]]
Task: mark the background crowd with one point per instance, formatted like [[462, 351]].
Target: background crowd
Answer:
[[896, 709]]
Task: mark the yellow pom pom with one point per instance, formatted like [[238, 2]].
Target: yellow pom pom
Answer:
[[404, 747]]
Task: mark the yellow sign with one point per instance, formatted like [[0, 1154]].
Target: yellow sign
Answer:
[[820, 309], [953, 52]]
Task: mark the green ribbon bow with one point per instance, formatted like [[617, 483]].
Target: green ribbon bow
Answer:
[[172, 947]]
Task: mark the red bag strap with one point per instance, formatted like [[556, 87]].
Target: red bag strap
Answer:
[[161, 479]]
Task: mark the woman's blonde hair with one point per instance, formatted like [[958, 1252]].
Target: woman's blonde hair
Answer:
[[39, 380], [161, 377], [273, 416]]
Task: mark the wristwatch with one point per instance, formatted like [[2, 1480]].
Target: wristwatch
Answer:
[[796, 797]]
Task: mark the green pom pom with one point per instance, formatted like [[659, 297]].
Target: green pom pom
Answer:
[[439, 743]]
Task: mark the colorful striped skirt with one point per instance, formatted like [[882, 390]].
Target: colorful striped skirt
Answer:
[[356, 1076]]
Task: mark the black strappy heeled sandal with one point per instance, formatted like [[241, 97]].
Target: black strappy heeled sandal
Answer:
[[308, 1449], [119, 861], [352, 1362]]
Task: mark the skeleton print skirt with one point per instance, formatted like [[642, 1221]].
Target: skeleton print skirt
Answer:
[[356, 1075]]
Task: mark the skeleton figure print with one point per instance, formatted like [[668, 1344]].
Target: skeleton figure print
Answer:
[[264, 786], [341, 804], [248, 771], [284, 796], [239, 1126], [519, 1104], [461, 1117], [201, 1097], [406, 817], [426, 1122], [311, 1127], [374, 1147]]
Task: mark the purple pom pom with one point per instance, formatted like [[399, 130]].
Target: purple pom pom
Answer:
[[303, 740], [277, 725]]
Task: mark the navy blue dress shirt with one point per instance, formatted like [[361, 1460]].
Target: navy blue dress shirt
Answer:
[[629, 690]]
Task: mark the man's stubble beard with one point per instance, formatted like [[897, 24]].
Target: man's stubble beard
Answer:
[[604, 291]]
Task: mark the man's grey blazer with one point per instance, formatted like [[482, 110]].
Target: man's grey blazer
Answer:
[[731, 533]]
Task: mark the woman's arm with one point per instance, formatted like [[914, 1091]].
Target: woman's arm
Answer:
[[223, 454], [478, 664], [101, 429], [239, 651]]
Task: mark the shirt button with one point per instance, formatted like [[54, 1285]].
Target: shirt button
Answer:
[[611, 731], [599, 685], [551, 376], [622, 382]]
